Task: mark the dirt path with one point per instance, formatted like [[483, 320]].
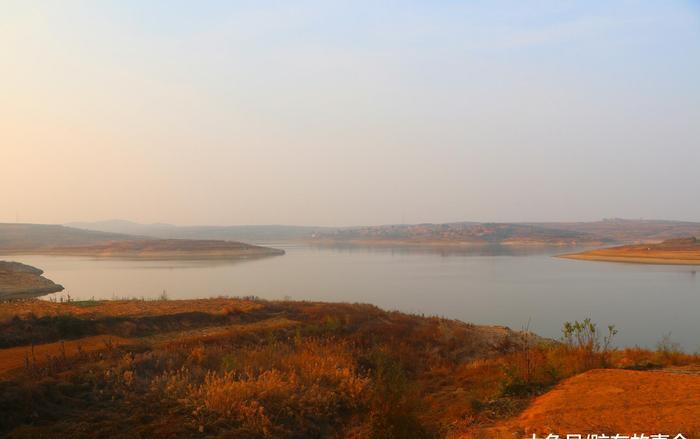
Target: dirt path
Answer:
[[213, 333], [610, 402], [14, 358]]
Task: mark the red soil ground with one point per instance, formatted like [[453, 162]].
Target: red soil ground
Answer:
[[608, 401]]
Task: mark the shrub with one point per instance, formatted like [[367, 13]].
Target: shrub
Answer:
[[668, 351], [395, 404], [533, 369], [584, 337]]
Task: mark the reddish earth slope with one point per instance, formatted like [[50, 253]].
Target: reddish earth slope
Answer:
[[608, 401]]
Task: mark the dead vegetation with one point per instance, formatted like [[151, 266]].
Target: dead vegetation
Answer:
[[229, 366], [252, 368]]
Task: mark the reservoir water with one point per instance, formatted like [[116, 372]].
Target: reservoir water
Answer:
[[487, 286]]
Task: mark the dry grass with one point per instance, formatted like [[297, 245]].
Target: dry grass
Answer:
[[244, 367], [250, 368], [272, 389], [123, 308]]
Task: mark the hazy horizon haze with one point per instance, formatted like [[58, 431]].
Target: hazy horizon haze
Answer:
[[349, 113]]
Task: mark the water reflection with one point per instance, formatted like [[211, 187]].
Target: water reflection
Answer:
[[486, 285], [447, 250]]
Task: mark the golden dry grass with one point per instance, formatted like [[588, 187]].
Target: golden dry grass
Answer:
[[251, 368], [124, 308]]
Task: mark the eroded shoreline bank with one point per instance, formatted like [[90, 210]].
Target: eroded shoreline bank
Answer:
[[19, 281]]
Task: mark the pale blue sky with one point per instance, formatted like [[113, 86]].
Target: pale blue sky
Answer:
[[349, 112]]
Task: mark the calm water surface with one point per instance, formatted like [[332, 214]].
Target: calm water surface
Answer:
[[490, 286]]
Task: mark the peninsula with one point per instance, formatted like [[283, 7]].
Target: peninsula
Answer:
[[21, 281], [681, 251], [48, 239], [167, 249]]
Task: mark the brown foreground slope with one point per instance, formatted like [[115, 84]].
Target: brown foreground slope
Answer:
[[20, 280], [250, 368], [682, 251], [234, 367]]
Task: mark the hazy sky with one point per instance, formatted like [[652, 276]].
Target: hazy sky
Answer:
[[349, 112]]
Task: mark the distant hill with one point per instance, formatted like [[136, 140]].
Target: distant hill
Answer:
[[460, 233], [630, 231], [257, 234], [40, 236], [603, 232], [62, 240]]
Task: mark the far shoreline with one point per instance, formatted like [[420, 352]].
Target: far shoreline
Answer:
[[449, 244]]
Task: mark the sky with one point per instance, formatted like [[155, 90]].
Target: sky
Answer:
[[349, 112]]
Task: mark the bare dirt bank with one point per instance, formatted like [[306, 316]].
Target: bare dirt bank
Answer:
[[23, 281], [16, 358], [605, 401]]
